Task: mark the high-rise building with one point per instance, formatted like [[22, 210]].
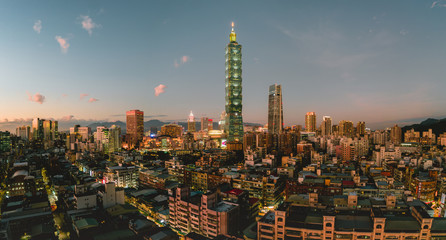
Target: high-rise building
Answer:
[[191, 122], [275, 109], [203, 214], [5, 142], [135, 126], [360, 128], [233, 95], [346, 128], [23, 132], [109, 139], [172, 130], [47, 131], [326, 126], [114, 139], [37, 129], [395, 134], [204, 124], [310, 122], [210, 125]]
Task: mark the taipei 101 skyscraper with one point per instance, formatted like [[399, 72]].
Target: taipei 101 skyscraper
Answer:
[[233, 107]]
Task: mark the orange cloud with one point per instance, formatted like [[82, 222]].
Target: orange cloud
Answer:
[[159, 89], [38, 98], [63, 42]]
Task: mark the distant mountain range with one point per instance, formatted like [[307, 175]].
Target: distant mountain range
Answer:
[[154, 123], [438, 126]]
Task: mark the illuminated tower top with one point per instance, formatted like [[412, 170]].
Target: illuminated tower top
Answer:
[[191, 123], [191, 117], [232, 36]]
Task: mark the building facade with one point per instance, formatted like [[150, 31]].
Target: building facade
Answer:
[[135, 126], [191, 122], [202, 214], [275, 109], [326, 126], [233, 95], [310, 122]]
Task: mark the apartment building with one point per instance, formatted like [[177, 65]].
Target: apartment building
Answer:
[[202, 213]]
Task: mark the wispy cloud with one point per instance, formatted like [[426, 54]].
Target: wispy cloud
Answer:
[[83, 95], [66, 118], [88, 24], [38, 98], [93, 100], [181, 61], [404, 32], [330, 47], [440, 3], [37, 26], [156, 116], [160, 89], [64, 95], [63, 42]]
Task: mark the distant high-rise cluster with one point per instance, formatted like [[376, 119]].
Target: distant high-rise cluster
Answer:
[[109, 139], [23, 132], [275, 109], [44, 131]]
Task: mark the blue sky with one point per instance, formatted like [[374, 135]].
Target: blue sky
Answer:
[[374, 61]]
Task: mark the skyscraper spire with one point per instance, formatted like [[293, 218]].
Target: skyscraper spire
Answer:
[[232, 36]]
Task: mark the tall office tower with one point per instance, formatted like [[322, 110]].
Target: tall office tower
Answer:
[[135, 126], [326, 126], [204, 123], [346, 128], [84, 133], [114, 139], [5, 142], [54, 129], [395, 134], [37, 129], [233, 106], [99, 135], [47, 130], [310, 122], [23, 132], [275, 109], [210, 124], [360, 128], [191, 123]]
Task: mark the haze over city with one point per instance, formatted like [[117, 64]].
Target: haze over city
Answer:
[[375, 61], [222, 120]]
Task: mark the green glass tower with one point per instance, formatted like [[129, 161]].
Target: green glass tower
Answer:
[[233, 107]]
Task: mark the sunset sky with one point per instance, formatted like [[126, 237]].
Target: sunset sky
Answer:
[[374, 61]]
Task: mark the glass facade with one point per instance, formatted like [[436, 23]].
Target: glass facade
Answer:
[[275, 109], [233, 106]]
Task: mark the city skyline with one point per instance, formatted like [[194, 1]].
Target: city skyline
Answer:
[[86, 62]]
